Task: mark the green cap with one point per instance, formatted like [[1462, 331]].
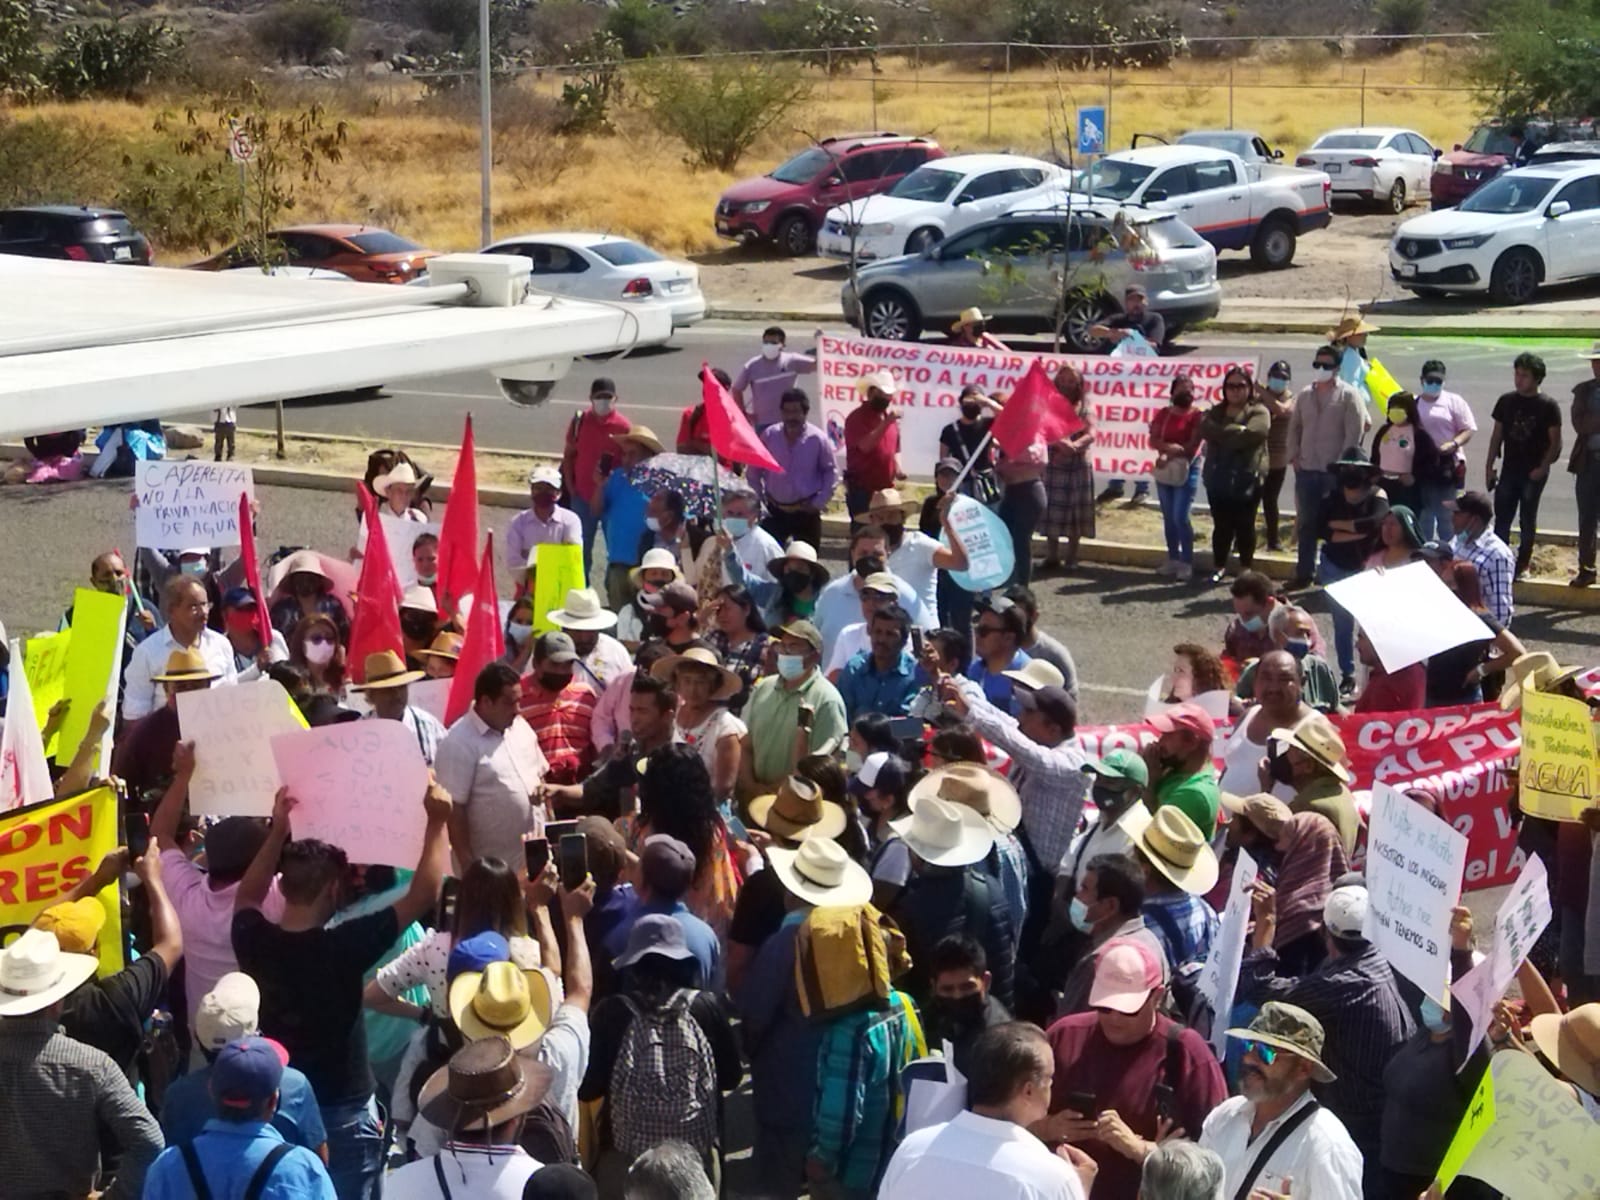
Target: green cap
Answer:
[[1121, 765]]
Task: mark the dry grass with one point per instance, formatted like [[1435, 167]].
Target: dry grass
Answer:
[[417, 170]]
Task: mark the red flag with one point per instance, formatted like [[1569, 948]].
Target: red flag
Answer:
[[377, 621], [252, 569], [458, 540], [1036, 412], [731, 434], [484, 642]]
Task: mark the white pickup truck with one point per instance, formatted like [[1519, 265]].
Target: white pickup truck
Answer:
[[1260, 207]]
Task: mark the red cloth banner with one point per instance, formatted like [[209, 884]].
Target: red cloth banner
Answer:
[[252, 569]]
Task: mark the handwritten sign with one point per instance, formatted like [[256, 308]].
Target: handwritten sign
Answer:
[[1521, 918], [232, 729], [360, 787], [1219, 978], [1560, 766], [94, 668], [190, 503], [45, 664], [430, 695], [987, 541], [1407, 613], [1415, 862], [1475, 1123], [558, 570], [1541, 1144], [401, 535], [47, 848]]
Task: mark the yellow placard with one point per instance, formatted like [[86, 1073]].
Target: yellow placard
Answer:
[[1560, 766], [45, 849], [1380, 384], [1474, 1123], [94, 663], [557, 570], [44, 662]]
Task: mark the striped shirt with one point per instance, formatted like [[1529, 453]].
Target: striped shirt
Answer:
[[1183, 924], [858, 1092], [1496, 570], [424, 727], [563, 722]]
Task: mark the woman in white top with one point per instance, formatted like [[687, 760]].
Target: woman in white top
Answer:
[[704, 687]]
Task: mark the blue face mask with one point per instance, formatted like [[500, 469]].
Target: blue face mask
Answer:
[[1078, 914], [737, 527], [1434, 1018], [1276, 384], [1298, 647], [1252, 624], [194, 568], [791, 666], [1432, 389], [653, 524]]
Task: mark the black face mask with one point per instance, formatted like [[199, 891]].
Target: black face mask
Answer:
[[417, 629], [655, 626], [867, 564], [878, 403], [955, 1014], [971, 411], [896, 535], [553, 683], [1182, 400], [797, 581]]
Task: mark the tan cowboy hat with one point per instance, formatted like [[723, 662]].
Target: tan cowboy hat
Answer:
[[1350, 327], [979, 788], [889, 500], [969, 316], [186, 666], [655, 559], [502, 1000], [821, 873], [797, 811], [35, 972], [1263, 810], [801, 555], [1174, 845], [1316, 735], [582, 611], [1536, 671], [446, 645], [1571, 1041], [644, 435], [386, 669], [402, 473], [1289, 1028], [728, 683], [883, 379], [486, 1083], [1037, 674], [946, 834]]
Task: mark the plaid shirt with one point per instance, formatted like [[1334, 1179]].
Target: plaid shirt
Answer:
[[858, 1096], [424, 726], [1496, 570], [60, 1100], [1183, 924], [562, 721]]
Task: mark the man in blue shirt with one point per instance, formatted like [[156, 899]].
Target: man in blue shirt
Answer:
[[240, 1147], [996, 649], [666, 871], [619, 507], [886, 677]]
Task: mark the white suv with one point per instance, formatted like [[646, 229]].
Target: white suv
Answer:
[[1525, 228]]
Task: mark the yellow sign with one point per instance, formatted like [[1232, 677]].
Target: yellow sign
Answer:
[[1474, 1122], [1560, 767], [1380, 384], [557, 570], [45, 849], [94, 663], [44, 661]]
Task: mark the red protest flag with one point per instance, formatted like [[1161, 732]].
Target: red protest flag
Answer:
[[458, 539], [1036, 412], [377, 621], [729, 429], [484, 642], [252, 569]]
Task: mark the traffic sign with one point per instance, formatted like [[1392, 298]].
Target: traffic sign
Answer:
[[240, 146], [1091, 131]]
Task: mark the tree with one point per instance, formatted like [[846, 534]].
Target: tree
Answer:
[[303, 29], [1540, 59], [19, 50], [719, 109], [111, 58]]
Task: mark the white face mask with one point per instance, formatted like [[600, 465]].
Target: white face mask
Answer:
[[1322, 374], [519, 633], [653, 524], [771, 350], [320, 653], [602, 404]]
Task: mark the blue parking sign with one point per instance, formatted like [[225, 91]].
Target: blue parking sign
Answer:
[[1091, 131]]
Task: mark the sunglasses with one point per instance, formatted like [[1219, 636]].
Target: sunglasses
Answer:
[[1267, 1054], [1432, 379], [981, 630]]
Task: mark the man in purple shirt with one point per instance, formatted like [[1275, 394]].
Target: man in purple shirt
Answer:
[[800, 489], [768, 376]]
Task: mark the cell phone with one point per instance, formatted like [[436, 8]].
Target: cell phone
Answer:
[[916, 640], [607, 461], [137, 825], [906, 729], [572, 860], [804, 718], [536, 854], [554, 831], [1085, 1104], [445, 917]]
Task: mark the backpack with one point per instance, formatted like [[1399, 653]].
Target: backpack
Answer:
[[664, 1081], [845, 956]]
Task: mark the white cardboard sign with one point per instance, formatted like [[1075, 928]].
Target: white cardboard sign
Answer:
[[1415, 862], [232, 730], [188, 502]]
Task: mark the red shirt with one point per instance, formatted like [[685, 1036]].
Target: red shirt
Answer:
[[1181, 425], [1405, 690], [693, 428], [869, 470], [588, 437], [561, 721]]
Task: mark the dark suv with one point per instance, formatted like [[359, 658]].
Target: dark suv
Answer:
[[786, 205], [81, 233]]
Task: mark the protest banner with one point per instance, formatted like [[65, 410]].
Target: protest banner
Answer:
[[94, 669], [987, 541], [1560, 764], [45, 663], [189, 502], [1407, 613], [1475, 1123], [1415, 862], [558, 569], [1124, 393], [232, 728], [430, 696], [1521, 918], [1540, 1143], [359, 786], [47, 848], [1219, 978]]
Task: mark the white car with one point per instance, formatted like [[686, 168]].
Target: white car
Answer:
[[937, 200], [616, 270], [1524, 228], [1375, 162]]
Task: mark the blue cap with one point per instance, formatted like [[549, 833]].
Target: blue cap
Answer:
[[247, 1073], [476, 953], [239, 597]]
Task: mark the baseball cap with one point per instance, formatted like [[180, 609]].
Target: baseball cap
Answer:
[[1474, 504], [947, 463], [76, 924], [1125, 973], [231, 845], [228, 1012], [1345, 913], [475, 953], [602, 386], [880, 770], [239, 597], [666, 865], [545, 474], [1053, 702], [678, 596], [805, 631], [881, 582], [1120, 767], [556, 647], [247, 1072], [1190, 717]]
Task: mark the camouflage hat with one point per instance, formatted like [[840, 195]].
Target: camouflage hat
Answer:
[[1291, 1028]]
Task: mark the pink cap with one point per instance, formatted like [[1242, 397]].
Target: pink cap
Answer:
[[1188, 716], [1125, 973]]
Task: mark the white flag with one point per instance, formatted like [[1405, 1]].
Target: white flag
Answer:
[[24, 774]]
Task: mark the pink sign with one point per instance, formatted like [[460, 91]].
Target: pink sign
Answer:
[[360, 787]]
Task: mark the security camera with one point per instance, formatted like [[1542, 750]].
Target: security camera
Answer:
[[526, 393]]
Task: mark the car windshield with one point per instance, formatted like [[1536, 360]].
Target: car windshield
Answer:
[[803, 167], [927, 183], [1112, 178], [1233, 143], [119, 227], [381, 241], [1169, 233], [1509, 194], [625, 254], [1348, 141], [1490, 139]]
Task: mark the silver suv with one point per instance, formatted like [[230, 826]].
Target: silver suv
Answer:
[[1013, 267]]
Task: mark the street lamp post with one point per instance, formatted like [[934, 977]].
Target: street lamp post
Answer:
[[485, 125]]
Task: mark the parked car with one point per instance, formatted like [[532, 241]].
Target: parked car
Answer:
[[932, 203], [1012, 267], [1263, 208], [1555, 152], [597, 266], [787, 205], [1374, 162], [83, 233], [1522, 229], [1250, 146], [363, 252], [1493, 147]]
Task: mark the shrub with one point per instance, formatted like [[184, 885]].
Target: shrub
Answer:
[[641, 27], [846, 32], [52, 160], [717, 110], [112, 58], [1401, 17], [455, 20], [1089, 34], [1540, 59], [556, 24], [303, 30], [594, 86], [19, 50]]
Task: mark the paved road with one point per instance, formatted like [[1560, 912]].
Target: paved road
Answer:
[[655, 385]]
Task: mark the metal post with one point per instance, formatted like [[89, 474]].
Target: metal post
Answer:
[[1110, 70], [873, 78], [485, 127], [1008, 60], [278, 404], [1363, 96], [988, 121], [1230, 97]]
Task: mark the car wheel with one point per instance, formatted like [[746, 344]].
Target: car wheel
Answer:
[[1397, 197], [1274, 245], [922, 239], [891, 316], [795, 236], [1081, 314], [1515, 277]]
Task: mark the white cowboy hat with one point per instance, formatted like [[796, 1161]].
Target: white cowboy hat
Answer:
[[402, 473], [946, 834], [420, 597], [969, 316], [890, 500], [882, 379], [802, 554], [1037, 674], [728, 683], [35, 973], [656, 559], [583, 611], [975, 786], [821, 873]]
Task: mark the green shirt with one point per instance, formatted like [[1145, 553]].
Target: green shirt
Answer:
[[1326, 795], [774, 711], [1195, 796]]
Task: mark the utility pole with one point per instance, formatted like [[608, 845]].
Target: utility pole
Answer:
[[485, 126]]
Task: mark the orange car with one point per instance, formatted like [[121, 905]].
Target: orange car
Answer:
[[363, 252]]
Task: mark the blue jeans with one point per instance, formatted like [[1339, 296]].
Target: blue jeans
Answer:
[[1177, 501], [590, 523], [1344, 625], [1311, 492], [1433, 519], [355, 1148]]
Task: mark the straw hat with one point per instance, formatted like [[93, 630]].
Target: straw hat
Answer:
[[802, 556], [386, 669], [402, 473], [186, 666], [644, 435], [946, 834], [797, 811], [35, 972], [977, 787], [419, 596], [1174, 845], [1350, 327], [969, 316], [445, 645], [890, 500], [1316, 736], [728, 684], [1571, 1042], [301, 562], [1534, 671], [501, 1000], [1037, 674], [821, 873], [655, 559], [1266, 812], [583, 611], [883, 379], [1292, 1029]]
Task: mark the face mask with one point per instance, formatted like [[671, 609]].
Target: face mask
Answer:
[[1433, 1017], [1252, 624], [957, 1012], [1299, 647], [791, 666], [771, 350], [867, 564], [1182, 400], [971, 411], [519, 633], [427, 580], [553, 683], [194, 568], [1111, 803], [1078, 914], [602, 405], [320, 653], [1432, 389], [1322, 374], [1275, 384], [852, 761], [653, 524], [797, 581], [737, 527], [1397, 416], [878, 403], [896, 533]]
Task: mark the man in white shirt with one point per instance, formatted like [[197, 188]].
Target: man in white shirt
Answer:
[[741, 514], [1275, 1140], [913, 555], [601, 657], [988, 1151], [185, 605]]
